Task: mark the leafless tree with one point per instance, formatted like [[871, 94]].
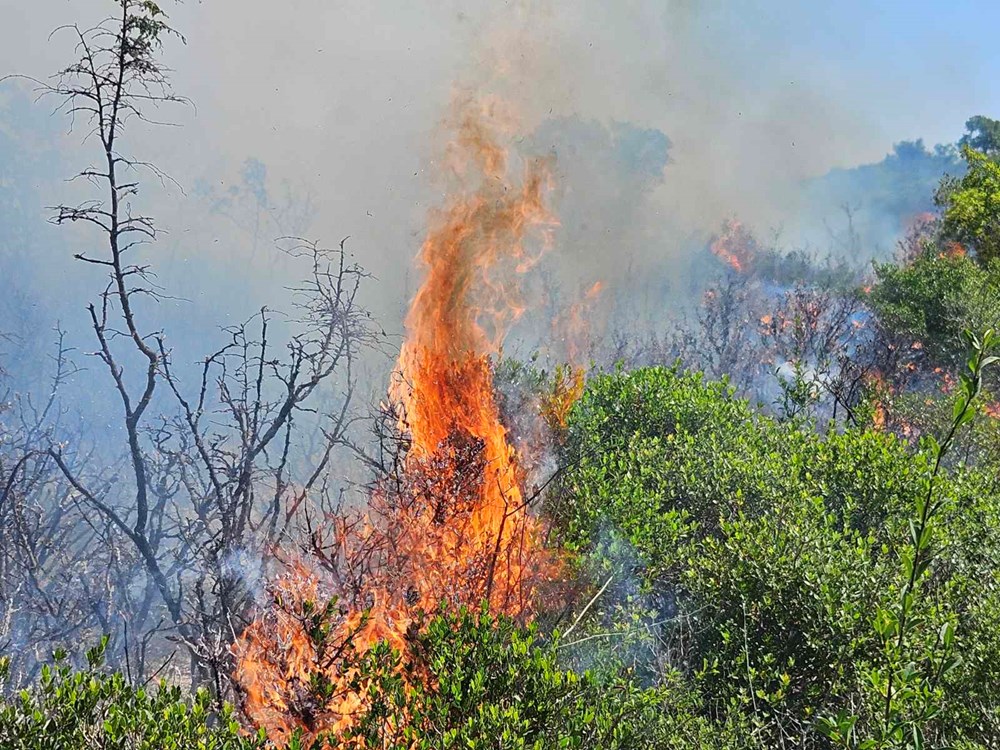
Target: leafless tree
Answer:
[[211, 475]]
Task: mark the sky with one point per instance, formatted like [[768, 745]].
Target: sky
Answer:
[[293, 81], [342, 101]]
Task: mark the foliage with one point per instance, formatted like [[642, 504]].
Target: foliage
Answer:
[[909, 681], [777, 544], [935, 297], [983, 135], [473, 681], [89, 708], [971, 205]]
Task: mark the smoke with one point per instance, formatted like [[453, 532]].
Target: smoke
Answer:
[[325, 120]]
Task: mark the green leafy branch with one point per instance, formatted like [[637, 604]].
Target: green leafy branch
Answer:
[[908, 692]]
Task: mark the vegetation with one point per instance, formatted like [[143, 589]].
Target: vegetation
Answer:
[[776, 526], [936, 297], [763, 549], [91, 707], [970, 205]]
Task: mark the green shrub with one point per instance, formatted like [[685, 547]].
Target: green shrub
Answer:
[[93, 709], [935, 297], [481, 682], [777, 545]]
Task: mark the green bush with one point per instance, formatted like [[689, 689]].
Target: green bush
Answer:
[[971, 205], [777, 545], [470, 680], [935, 297], [93, 709]]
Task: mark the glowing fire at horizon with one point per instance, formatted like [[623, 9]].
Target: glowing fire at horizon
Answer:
[[453, 526]]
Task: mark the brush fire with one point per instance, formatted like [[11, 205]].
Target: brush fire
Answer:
[[452, 526]]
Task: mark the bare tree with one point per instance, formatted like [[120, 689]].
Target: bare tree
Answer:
[[211, 479]]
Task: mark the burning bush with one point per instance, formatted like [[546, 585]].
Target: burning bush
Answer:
[[447, 519], [468, 679]]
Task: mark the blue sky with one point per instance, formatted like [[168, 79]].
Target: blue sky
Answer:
[[916, 68]]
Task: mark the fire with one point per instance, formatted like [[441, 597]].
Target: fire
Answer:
[[575, 328], [953, 250], [735, 246], [880, 393], [452, 525], [947, 384], [567, 387]]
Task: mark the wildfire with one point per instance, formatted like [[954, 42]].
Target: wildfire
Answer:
[[947, 384], [735, 246], [567, 387], [452, 526], [575, 328], [953, 250], [880, 393]]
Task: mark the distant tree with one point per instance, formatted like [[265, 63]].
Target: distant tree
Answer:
[[982, 135]]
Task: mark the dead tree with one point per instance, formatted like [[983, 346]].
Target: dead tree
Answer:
[[211, 477]]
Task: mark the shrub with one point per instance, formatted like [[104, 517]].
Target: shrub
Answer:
[[777, 544], [474, 681], [936, 296], [92, 708]]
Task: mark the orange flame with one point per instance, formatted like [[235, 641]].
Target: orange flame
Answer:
[[567, 388], [735, 246], [880, 392], [574, 329], [453, 526], [953, 250]]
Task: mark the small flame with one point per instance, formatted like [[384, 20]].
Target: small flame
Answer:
[[881, 393], [953, 251], [575, 328], [735, 246], [567, 387]]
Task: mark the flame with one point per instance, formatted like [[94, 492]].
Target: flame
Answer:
[[735, 246], [953, 250], [880, 392], [567, 388], [574, 328], [452, 526]]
